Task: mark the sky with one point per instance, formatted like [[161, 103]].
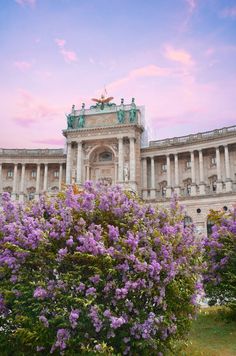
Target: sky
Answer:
[[176, 57]]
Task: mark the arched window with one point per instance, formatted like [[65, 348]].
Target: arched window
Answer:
[[55, 189], [210, 224], [187, 220], [31, 193], [8, 189], [105, 156]]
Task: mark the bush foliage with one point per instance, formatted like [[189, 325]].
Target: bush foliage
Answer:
[[95, 271], [220, 255]]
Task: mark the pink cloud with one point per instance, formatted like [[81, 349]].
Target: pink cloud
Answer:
[[146, 71], [26, 2], [22, 65], [229, 12], [68, 55], [60, 42], [178, 55], [51, 141], [24, 122], [191, 4], [31, 110]]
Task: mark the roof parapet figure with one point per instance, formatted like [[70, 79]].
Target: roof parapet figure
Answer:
[[102, 101]]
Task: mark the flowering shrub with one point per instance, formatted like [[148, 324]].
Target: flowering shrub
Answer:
[[95, 271], [220, 255]]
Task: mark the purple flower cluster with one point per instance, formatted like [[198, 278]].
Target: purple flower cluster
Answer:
[[63, 336], [220, 257], [100, 268], [74, 316]]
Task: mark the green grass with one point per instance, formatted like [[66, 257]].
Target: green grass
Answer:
[[213, 333]]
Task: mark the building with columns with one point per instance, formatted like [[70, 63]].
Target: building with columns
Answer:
[[108, 143]]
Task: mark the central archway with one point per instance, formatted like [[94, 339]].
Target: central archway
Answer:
[[102, 163]]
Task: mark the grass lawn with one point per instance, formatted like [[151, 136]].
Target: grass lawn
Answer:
[[212, 334]]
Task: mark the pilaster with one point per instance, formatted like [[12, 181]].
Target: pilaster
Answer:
[[79, 163], [60, 177], [68, 163], [45, 178], [120, 160]]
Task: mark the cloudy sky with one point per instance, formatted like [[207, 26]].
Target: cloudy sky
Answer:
[[176, 57]]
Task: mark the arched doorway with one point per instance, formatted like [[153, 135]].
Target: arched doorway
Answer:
[[102, 165]]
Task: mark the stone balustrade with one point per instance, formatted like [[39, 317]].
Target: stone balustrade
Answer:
[[189, 174]]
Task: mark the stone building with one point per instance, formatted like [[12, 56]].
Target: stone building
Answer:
[[108, 143]]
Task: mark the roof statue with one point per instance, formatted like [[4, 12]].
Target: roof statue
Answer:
[[102, 101]]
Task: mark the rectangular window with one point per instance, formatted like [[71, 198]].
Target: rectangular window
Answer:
[[10, 174], [188, 164], [33, 174], [213, 161], [164, 168], [56, 174]]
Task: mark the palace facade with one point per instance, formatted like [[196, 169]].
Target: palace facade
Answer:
[[108, 143]]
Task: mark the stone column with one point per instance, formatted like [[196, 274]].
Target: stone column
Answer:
[[45, 178], [218, 168], [177, 189], [115, 172], [0, 178], [87, 172], [153, 190], [228, 180], [202, 184], [68, 163], [22, 183], [14, 182], [144, 177], [79, 163], [168, 188], [37, 181], [132, 159], [193, 186], [120, 160], [60, 176]]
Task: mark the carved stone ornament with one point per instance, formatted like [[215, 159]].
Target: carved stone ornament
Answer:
[[115, 147], [87, 148]]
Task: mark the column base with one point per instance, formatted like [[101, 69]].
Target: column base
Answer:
[[21, 197], [202, 189], [228, 186], [193, 190], [177, 191], [219, 186], [131, 185], [168, 192], [152, 193], [145, 194], [14, 196]]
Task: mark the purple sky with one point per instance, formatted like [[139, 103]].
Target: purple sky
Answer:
[[176, 57]]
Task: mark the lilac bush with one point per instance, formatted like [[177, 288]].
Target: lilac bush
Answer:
[[220, 255], [95, 271]]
